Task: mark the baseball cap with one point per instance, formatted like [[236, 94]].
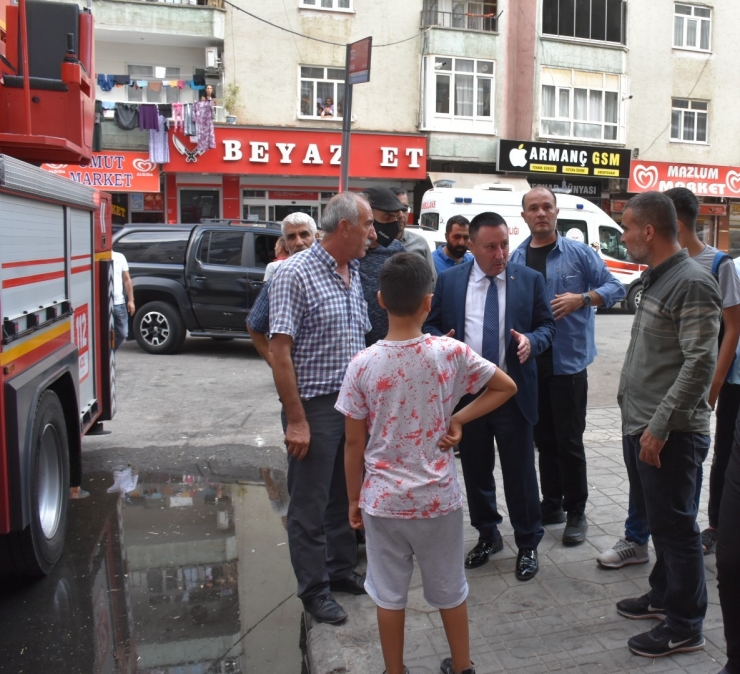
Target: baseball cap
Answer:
[[383, 199]]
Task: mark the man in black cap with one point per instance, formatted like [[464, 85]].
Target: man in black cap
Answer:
[[385, 207]]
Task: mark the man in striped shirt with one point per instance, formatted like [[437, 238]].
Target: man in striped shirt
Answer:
[[663, 393], [318, 321]]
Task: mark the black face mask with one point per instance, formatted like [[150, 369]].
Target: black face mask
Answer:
[[387, 232]]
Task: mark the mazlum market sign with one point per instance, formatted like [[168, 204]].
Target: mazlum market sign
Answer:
[[301, 153], [112, 171], [701, 179]]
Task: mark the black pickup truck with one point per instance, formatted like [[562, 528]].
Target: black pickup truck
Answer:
[[201, 279]]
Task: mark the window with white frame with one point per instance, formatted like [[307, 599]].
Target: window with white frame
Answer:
[[689, 120], [156, 74], [692, 27], [578, 104], [327, 4], [322, 92], [602, 20], [463, 87]]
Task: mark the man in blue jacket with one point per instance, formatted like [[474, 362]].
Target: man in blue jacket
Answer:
[[577, 280], [501, 311]]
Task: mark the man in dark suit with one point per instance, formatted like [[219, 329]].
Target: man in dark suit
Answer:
[[501, 311]]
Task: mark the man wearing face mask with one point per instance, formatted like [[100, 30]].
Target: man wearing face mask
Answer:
[[412, 242], [385, 207]]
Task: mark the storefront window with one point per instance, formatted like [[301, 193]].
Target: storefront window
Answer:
[[196, 205]]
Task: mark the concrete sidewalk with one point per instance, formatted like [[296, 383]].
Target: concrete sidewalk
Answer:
[[563, 620]]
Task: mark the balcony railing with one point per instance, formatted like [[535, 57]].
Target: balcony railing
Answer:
[[460, 20], [202, 3]]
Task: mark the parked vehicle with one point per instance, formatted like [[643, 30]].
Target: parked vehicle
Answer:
[[202, 279], [596, 227]]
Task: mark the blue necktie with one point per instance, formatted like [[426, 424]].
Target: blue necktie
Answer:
[[490, 345]]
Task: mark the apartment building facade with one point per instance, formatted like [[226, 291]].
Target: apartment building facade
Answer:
[[588, 88]]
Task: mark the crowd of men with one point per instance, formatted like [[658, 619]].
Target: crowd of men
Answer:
[[530, 312]]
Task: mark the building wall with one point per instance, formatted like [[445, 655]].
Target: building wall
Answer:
[[264, 62], [658, 72]]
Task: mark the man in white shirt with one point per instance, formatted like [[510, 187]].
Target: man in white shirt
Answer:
[[123, 305]]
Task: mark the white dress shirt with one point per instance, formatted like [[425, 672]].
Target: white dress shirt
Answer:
[[475, 307]]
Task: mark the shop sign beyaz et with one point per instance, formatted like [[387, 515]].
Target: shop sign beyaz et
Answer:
[[301, 153], [113, 171], [703, 180]]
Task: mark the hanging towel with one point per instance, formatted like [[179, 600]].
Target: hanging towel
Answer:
[[177, 116], [126, 116], [159, 147], [106, 82], [180, 84], [165, 109], [155, 86], [141, 84], [122, 79], [148, 116]]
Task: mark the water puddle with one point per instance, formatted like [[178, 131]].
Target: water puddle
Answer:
[[163, 574]]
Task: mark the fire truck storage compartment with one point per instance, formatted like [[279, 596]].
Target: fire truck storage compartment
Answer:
[[50, 312]]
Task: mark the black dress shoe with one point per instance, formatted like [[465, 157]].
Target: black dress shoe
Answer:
[[325, 609], [352, 584], [478, 556], [527, 565], [575, 529]]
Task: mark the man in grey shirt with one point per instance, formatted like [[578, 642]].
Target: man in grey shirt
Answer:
[[663, 392], [412, 242]]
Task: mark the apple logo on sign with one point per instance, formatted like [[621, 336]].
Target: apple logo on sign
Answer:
[[518, 156]]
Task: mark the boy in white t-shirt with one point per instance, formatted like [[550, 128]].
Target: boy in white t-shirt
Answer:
[[398, 397]]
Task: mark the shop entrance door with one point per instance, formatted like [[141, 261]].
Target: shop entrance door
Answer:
[[281, 211]]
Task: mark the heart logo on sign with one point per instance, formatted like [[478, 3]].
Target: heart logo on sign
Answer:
[[144, 165], [733, 181], [645, 176]]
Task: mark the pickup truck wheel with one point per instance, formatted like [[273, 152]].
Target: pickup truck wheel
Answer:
[[633, 298], [35, 550], [158, 328]]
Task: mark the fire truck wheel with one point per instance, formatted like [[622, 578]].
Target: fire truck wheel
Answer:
[[35, 550], [633, 298], [158, 328]]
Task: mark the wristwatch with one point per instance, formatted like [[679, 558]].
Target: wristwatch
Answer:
[[586, 299]]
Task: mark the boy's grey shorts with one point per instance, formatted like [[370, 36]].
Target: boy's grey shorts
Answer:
[[437, 543]]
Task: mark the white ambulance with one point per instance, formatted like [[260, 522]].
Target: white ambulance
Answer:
[[596, 228]]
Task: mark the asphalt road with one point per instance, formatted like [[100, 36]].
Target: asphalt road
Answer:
[[214, 404]]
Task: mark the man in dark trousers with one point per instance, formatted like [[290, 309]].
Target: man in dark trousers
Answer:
[[662, 394], [577, 280], [501, 311]]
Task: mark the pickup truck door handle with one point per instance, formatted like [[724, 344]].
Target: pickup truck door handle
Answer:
[[258, 284], [198, 278]]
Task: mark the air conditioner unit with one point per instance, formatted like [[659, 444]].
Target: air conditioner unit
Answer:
[[211, 57]]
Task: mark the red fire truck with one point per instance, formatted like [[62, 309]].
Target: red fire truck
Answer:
[[56, 363]]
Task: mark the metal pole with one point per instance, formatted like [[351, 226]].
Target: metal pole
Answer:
[[346, 128]]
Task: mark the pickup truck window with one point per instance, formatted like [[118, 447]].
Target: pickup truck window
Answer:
[[154, 247], [264, 249], [224, 248]]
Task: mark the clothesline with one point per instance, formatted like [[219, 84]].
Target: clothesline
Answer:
[[108, 82]]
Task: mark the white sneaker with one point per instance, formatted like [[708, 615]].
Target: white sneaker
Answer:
[[623, 552]]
